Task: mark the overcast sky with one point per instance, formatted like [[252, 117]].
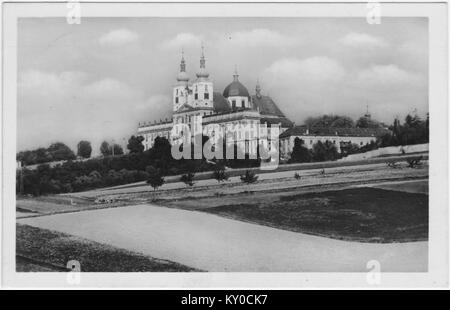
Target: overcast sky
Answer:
[[97, 80]]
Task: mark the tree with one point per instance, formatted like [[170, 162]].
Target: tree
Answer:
[[249, 177], [155, 177], [330, 121], [343, 122], [367, 122], [414, 130], [300, 154], [105, 149], [188, 178], [84, 149], [135, 144], [60, 151], [325, 151], [219, 173], [118, 150], [349, 148]]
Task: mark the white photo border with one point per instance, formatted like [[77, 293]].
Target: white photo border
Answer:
[[437, 275]]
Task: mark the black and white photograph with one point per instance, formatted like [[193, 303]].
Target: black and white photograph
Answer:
[[225, 144]]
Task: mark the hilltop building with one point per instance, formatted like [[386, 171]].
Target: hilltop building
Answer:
[[234, 106]]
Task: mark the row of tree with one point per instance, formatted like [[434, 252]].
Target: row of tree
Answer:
[[342, 121], [414, 130], [114, 170], [59, 151]]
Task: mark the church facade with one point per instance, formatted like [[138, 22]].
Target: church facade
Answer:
[[232, 109]]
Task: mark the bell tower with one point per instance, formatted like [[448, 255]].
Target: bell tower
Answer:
[[181, 88], [203, 86]]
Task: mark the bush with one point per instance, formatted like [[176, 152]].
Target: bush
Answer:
[[219, 174], [249, 177], [325, 151], [188, 178], [300, 154], [55, 152], [414, 162], [155, 178]]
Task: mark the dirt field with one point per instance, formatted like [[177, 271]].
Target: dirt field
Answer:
[[358, 214]]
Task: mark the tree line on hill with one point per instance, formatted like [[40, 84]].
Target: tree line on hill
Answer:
[[342, 121], [137, 165], [59, 151], [414, 130]]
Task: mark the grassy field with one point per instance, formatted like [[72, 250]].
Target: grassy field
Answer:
[[359, 214], [44, 248]]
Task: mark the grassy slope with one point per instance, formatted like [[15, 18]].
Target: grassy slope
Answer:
[[363, 214], [57, 248]]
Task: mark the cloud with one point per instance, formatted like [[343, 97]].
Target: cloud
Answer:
[[388, 75], [182, 40], [260, 37], [362, 40], [70, 106], [317, 68], [108, 88], [44, 83], [118, 37], [155, 107], [304, 87]]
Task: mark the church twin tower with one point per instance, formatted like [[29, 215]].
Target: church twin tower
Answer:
[[196, 95]]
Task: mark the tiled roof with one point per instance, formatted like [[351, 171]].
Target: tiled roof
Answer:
[[321, 131], [266, 106]]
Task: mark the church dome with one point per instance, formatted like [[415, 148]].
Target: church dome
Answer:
[[182, 77], [236, 88], [202, 73]]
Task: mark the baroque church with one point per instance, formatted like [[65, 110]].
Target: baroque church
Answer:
[[234, 106]]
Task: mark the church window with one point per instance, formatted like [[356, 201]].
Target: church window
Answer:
[[176, 99], [243, 103], [196, 96], [206, 96]]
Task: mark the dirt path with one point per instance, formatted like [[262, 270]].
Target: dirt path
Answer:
[[209, 242]]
